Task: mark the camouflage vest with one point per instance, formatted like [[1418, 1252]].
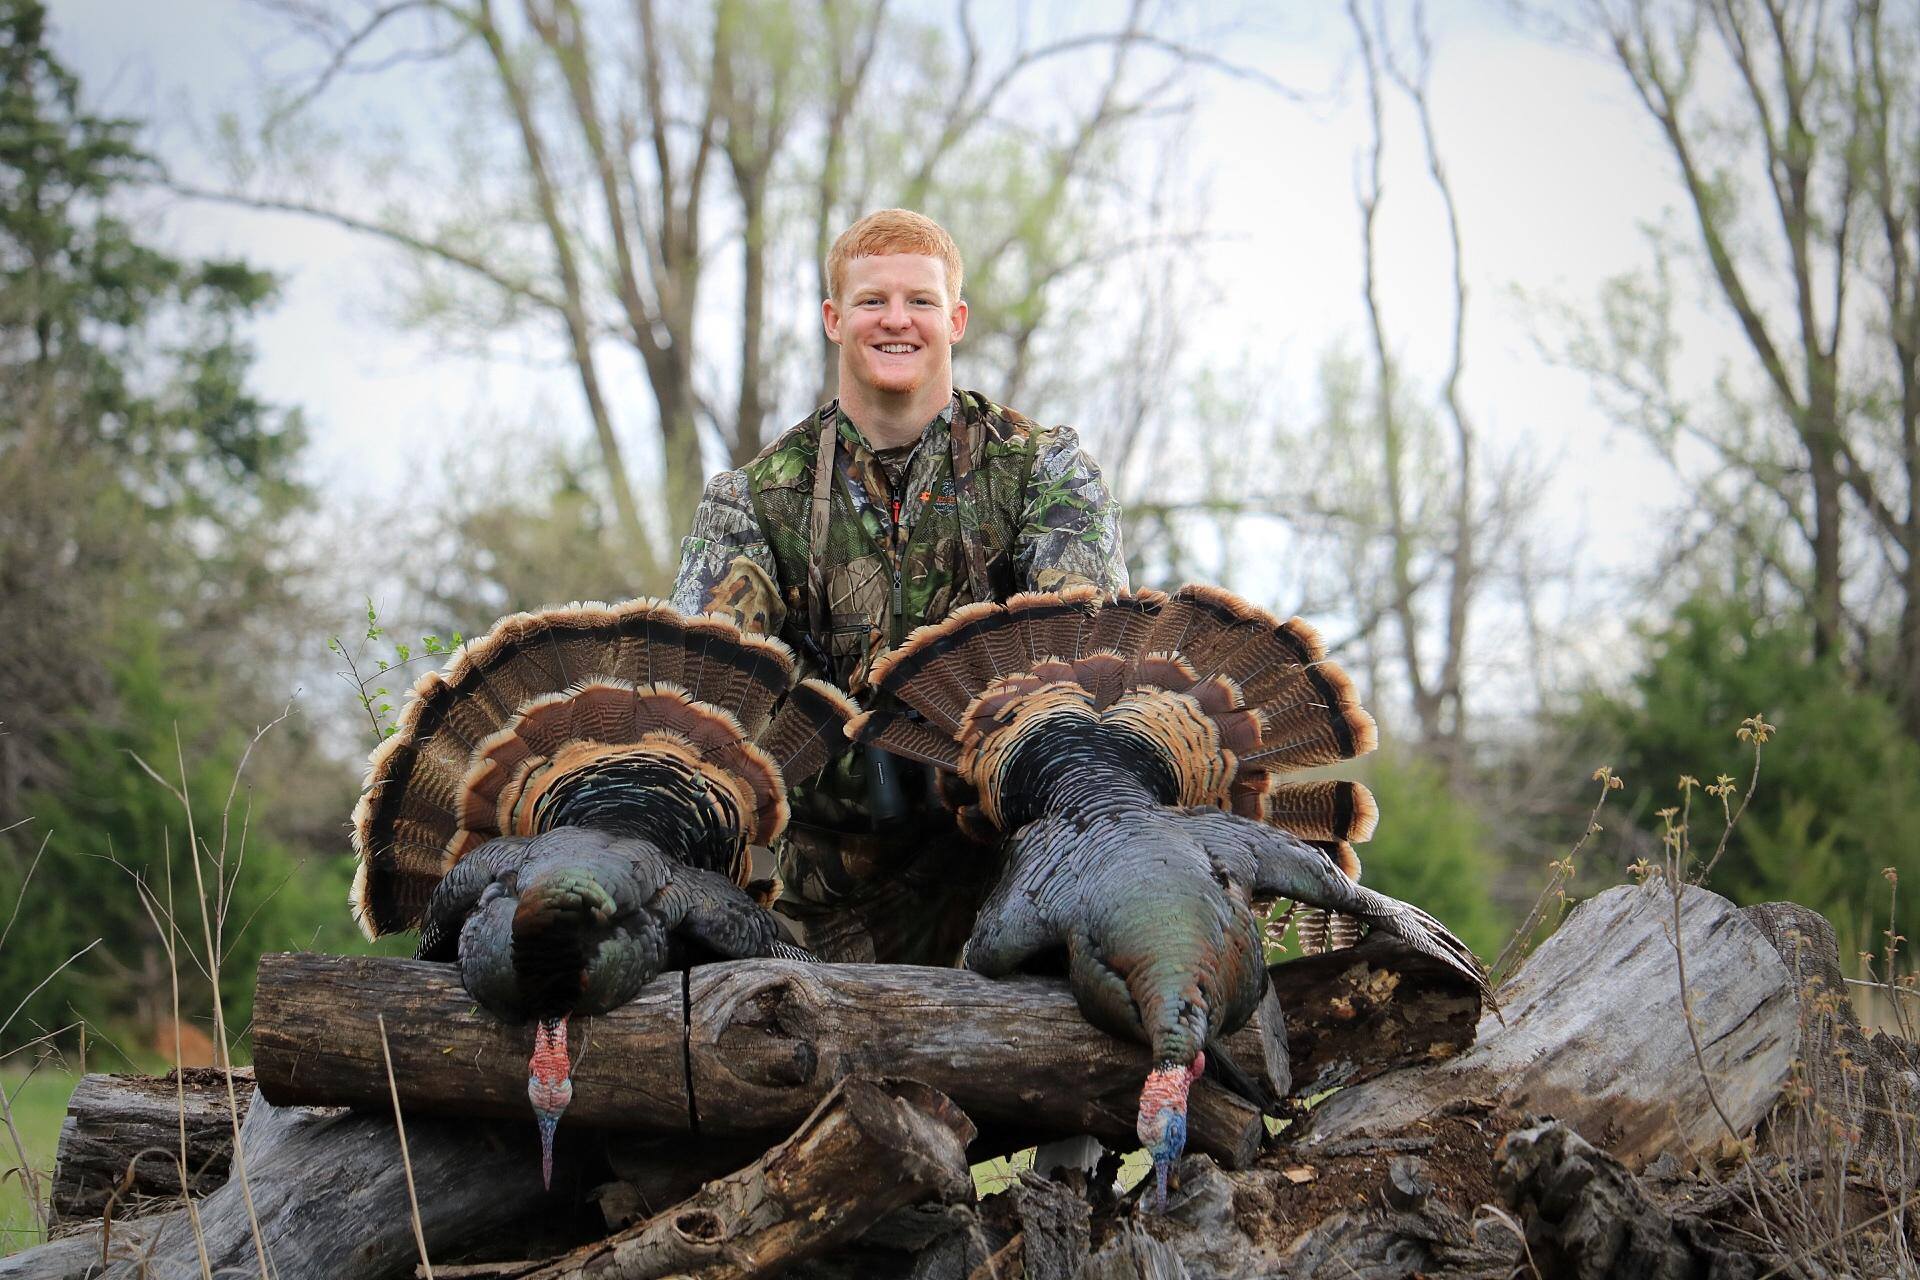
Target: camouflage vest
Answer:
[[855, 582]]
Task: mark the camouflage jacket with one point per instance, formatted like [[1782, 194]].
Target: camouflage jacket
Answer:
[[1033, 505], [1025, 510]]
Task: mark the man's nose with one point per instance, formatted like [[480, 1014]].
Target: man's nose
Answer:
[[896, 316]]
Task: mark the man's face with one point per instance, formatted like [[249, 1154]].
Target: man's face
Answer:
[[894, 324]]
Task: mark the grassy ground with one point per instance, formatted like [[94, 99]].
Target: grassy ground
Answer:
[[38, 1103]]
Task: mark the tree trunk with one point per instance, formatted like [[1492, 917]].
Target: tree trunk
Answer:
[[1383, 1178]]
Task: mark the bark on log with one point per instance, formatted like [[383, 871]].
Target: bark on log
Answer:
[[1594, 1034], [1866, 1087], [1368, 1009], [869, 1148], [120, 1141], [752, 1048]]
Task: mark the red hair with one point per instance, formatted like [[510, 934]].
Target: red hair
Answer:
[[894, 231]]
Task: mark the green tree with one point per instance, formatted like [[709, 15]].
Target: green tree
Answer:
[[1835, 802], [146, 576], [109, 821]]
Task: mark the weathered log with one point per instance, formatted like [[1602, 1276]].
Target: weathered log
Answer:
[[1348, 1016], [1594, 1034], [870, 1147], [1131, 1254], [751, 1048], [120, 1141], [316, 1041], [329, 1193]]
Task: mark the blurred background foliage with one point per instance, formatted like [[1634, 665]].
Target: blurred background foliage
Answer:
[[150, 577], [168, 578]]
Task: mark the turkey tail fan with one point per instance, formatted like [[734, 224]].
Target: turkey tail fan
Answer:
[[1223, 693], [627, 717]]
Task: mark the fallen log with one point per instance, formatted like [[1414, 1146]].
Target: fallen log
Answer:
[[1858, 1097], [1389, 1171], [329, 1193], [426, 1015], [738, 1048], [121, 1140], [869, 1148], [1594, 1035]]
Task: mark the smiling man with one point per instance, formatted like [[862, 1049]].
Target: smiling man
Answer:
[[887, 508]]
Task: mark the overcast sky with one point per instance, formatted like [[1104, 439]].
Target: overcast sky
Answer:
[[1554, 166]]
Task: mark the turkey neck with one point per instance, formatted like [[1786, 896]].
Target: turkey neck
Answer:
[[657, 798], [1084, 769]]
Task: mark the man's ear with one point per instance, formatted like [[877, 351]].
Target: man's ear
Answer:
[[830, 320], [957, 321]]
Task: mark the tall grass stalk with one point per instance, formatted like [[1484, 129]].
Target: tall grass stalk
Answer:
[[406, 1158], [213, 918]]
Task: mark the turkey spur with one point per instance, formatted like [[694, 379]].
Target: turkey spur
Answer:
[[1130, 752], [565, 810]]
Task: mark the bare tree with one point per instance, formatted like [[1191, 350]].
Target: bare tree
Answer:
[[655, 143], [1794, 129], [1454, 568]]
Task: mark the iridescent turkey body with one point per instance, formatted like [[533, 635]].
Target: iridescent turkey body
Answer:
[[565, 811], [1129, 752]]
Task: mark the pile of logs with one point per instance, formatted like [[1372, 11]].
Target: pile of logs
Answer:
[[767, 1117]]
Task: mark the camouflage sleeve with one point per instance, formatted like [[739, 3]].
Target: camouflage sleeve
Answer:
[[726, 565], [1070, 532]]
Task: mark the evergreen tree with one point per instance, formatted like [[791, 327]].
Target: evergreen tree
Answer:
[[144, 572], [1836, 800]]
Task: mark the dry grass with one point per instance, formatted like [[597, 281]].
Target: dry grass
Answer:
[[203, 941], [1804, 1193]]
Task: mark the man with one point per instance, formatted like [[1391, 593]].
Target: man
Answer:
[[888, 508]]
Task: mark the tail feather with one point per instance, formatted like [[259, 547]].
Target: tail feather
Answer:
[[745, 674], [748, 679], [1050, 622], [1123, 625], [809, 728], [892, 731], [653, 644], [1264, 672], [1104, 676], [543, 701], [1215, 624], [1314, 811]]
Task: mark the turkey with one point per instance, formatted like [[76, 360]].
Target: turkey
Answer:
[[1133, 748], [565, 810]]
